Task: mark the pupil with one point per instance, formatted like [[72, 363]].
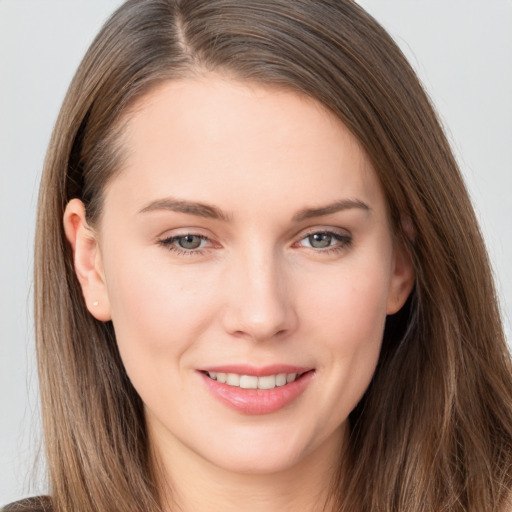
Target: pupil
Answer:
[[190, 241], [320, 240]]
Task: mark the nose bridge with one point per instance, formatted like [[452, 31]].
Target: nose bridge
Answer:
[[259, 305]]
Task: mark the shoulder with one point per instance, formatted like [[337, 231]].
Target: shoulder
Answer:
[[35, 504]]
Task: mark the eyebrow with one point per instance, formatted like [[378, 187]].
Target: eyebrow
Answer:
[[189, 207], [337, 206], [212, 212]]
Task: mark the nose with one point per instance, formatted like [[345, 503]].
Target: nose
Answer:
[[259, 304]]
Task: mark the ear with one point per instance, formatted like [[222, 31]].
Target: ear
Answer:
[[402, 278], [87, 260]]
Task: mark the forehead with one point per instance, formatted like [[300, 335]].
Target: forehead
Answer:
[[219, 140]]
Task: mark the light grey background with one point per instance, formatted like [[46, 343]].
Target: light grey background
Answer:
[[462, 50]]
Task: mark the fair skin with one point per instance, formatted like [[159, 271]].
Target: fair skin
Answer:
[[245, 233]]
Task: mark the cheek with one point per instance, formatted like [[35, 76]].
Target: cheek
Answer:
[[347, 317], [157, 311], [352, 301]]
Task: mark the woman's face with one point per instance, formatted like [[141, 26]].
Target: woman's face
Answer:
[[245, 239]]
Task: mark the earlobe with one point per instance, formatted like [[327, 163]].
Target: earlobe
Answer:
[[402, 279], [87, 260]]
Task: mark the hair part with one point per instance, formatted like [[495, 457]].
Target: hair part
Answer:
[[434, 429]]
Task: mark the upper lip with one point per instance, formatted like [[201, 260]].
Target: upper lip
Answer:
[[257, 371]]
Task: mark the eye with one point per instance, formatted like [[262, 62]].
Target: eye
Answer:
[[320, 240], [326, 240], [188, 243]]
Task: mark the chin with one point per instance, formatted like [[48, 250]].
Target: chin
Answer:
[[257, 462], [271, 452]]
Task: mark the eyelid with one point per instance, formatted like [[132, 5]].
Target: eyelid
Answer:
[[342, 236], [324, 229], [168, 242]]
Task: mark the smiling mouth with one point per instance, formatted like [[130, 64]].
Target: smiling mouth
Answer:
[[252, 381], [257, 390]]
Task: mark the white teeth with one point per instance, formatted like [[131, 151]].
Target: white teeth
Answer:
[[232, 379], [249, 382], [281, 379], [291, 377], [267, 382], [253, 382]]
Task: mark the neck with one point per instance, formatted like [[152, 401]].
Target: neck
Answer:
[[190, 483]]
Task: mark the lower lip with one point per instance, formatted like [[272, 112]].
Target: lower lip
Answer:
[[258, 401]]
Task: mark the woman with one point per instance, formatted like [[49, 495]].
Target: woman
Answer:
[[260, 283]]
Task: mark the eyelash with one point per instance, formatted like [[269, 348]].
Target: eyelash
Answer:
[[169, 244], [344, 241]]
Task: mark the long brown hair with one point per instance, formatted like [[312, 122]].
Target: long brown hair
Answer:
[[434, 430]]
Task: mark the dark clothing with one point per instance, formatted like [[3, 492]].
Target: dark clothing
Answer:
[[35, 504]]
